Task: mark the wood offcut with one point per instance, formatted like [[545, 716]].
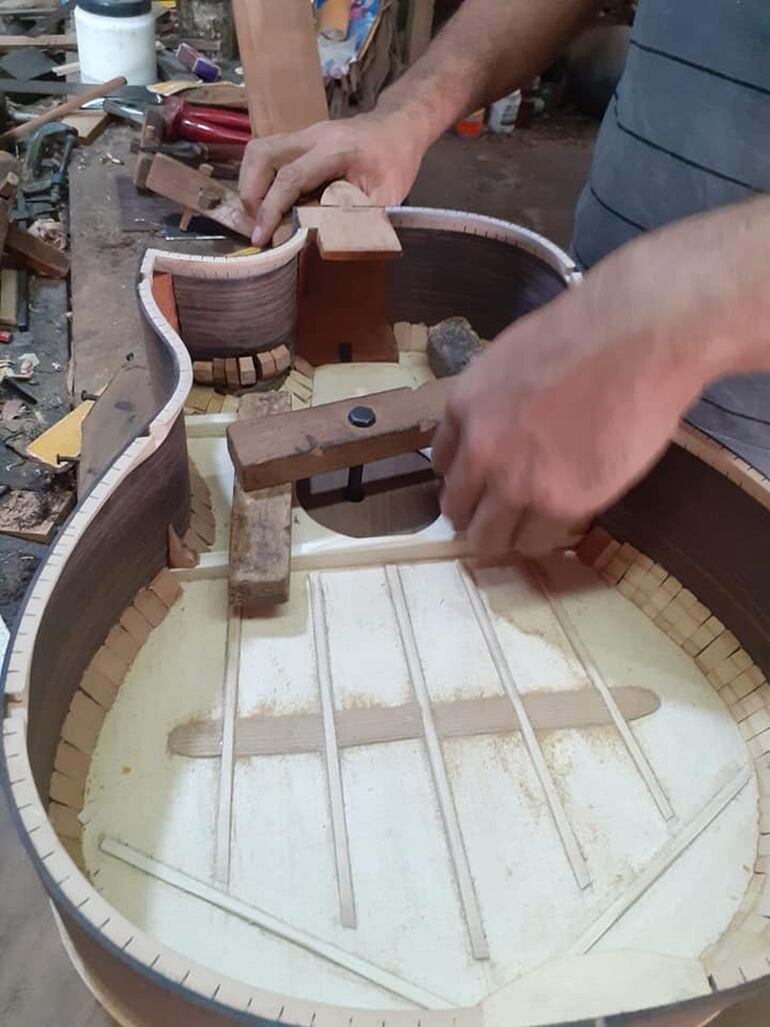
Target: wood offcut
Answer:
[[260, 532]]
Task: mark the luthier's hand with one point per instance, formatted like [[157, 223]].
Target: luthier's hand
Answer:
[[380, 154], [572, 404]]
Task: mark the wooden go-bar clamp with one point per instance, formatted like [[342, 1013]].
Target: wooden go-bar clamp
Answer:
[[291, 446]]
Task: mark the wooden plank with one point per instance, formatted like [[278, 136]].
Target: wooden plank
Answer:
[[67, 41], [224, 824], [559, 814], [281, 66], [38, 255], [455, 841], [307, 442], [195, 191], [331, 752], [260, 532]]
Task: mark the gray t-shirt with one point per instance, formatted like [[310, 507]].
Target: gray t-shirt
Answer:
[[688, 130]]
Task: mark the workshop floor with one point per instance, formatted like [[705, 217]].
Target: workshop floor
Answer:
[[532, 178]]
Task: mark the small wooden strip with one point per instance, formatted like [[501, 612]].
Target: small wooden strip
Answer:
[[220, 378], [596, 678], [372, 725], [260, 527], [282, 358], [204, 528], [272, 925], [266, 362], [563, 826], [334, 776], [232, 378], [226, 767], [455, 841]]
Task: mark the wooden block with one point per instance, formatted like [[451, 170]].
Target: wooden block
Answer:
[[266, 363], [194, 541], [166, 587], [71, 762], [9, 297], [110, 664], [89, 124], [65, 821], [593, 545], [342, 303], [246, 371], [80, 734], [178, 553], [99, 687], [203, 372], [40, 256], [347, 226], [282, 358], [122, 644], [136, 625], [232, 378], [203, 528], [220, 377], [84, 707], [196, 191], [74, 849], [66, 791], [260, 532], [301, 365], [198, 398], [201, 507], [303, 443], [150, 606]]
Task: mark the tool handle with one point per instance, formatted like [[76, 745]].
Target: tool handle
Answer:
[[57, 112]]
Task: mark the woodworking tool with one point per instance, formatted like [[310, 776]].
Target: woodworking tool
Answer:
[[45, 164], [182, 120], [335, 436]]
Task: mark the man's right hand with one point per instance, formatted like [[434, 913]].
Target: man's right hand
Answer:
[[376, 152]]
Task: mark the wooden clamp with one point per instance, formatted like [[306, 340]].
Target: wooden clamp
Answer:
[[292, 446], [348, 226], [195, 191]]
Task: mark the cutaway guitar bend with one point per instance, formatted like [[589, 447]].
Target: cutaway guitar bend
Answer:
[[420, 792]]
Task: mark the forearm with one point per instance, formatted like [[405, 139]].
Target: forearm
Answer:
[[487, 49], [693, 298]]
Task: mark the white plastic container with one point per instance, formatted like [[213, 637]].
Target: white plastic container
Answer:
[[116, 37], [503, 113]]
